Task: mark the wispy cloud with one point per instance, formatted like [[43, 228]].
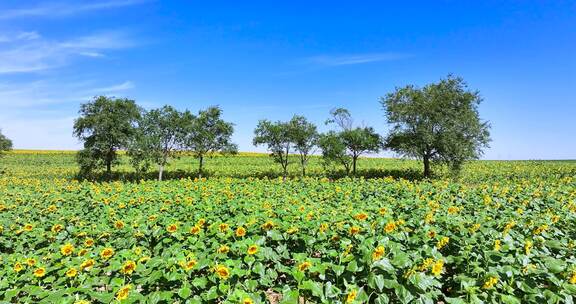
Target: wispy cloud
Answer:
[[20, 96], [126, 85], [29, 52], [339, 60], [65, 8]]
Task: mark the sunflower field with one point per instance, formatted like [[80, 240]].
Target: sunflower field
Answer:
[[504, 233]]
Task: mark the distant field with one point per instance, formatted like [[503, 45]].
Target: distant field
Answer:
[[503, 233]]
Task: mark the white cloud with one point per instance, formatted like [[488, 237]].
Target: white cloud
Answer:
[[67, 8], [338, 60], [23, 96], [36, 54], [40, 114], [126, 85]]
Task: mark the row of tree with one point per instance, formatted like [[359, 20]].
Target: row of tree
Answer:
[[436, 123], [153, 137]]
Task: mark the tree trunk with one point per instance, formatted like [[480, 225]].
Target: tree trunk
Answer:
[[109, 162], [303, 162], [201, 159], [426, 166], [354, 158], [160, 170]]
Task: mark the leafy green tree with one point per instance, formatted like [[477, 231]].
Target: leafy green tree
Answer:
[[357, 141], [304, 137], [334, 150], [105, 125], [439, 122], [5, 143], [159, 135], [278, 139], [207, 133]]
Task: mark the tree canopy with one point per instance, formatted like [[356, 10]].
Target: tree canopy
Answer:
[[439, 122], [5, 143], [355, 140], [207, 133], [105, 125], [159, 135]]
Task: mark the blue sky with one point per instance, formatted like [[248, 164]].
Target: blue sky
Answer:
[[263, 59]]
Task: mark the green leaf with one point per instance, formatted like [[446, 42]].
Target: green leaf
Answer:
[[185, 292]]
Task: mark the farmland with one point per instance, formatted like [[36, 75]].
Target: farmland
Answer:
[[504, 232]]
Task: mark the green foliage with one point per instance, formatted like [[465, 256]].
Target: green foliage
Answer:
[[159, 135], [439, 122], [304, 136], [281, 137], [347, 145], [378, 240], [105, 125], [207, 133], [334, 150], [278, 140], [5, 143]]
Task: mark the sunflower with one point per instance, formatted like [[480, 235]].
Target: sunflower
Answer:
[[442, 242], [195, 229], [106, 253], [71, 272], [89, 242], [39, 272], [351, 296], [57, 228], [497, 245], [222, 271], [390, 226], [223, 227], [128, 267], [122, 294], [252, 249], [247, 301], [268, 225], [87, 264], [28, 227], [490, 283], [361, 216], [30, 262], [437, 267], [304, 266], [18, 267], [119, 224], [189, 264], [378, 253], [67, 249], [528, 247], [223, 249], [240, 231], [354, 230], [172, 228]]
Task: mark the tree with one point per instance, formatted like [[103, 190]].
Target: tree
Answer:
[[357, 141], [439, 122], [208, 133], [106, 124], [334, 150], [159, 134], [5, 143], [304, 137], [278, 139]]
